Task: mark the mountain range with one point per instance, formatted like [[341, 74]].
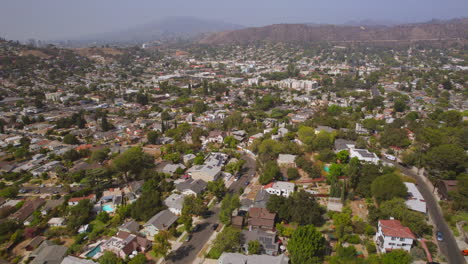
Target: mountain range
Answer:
[[432, 30], [167, 29]]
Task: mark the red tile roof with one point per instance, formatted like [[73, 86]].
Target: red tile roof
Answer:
[[394, 228]]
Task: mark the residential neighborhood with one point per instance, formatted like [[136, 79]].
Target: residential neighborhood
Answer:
[[243, 153]]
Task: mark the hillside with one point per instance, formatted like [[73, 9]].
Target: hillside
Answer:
[[455, 29]]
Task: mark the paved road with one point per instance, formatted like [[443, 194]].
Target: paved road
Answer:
[[449, 246], [188, 251]]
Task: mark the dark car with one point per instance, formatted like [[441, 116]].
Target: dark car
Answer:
[[247, 183], [196, 228], [187, 239], [439, 236], [214, 226]]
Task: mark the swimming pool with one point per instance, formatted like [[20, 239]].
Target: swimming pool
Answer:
[[93, 252], [326, 168], [107, 208]]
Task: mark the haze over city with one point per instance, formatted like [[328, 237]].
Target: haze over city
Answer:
[[57, 19]]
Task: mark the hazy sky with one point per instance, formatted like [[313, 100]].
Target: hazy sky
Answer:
[[61, 19]]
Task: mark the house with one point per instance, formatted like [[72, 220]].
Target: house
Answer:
[[364, 155], [174, 203], [75, 260], [286, 160], [254, 137], [261, 199], [267, 239], [237, 221], [415, 201], [261, 218], [124, 244], [188, 158], [130, 227], [206, 173], [343, 144], [27, 209], [191, 187], [56, 222], [445, 187], [50, 205], [237, 258], [172, 168], [75, 200], [161, 221], [34, 243], [48, 253], [280, 188], [215, 136], [391, 234]]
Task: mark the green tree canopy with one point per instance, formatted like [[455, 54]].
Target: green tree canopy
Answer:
[[306, 246], [386, 187]]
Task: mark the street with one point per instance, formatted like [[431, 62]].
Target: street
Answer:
[[449, 246], [188, 252]]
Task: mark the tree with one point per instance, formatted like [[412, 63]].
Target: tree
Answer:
[[292, 209], [293, 174], [343, 156], [152, 137], [227, 240], [100, 155], [70, 139], [271, 172], [79, 214], [132, 161], [254, 247], [217, 188], [397, 256], [399, 105], [230, 142], [187, 221], [109, 258], [199, 107], [386, 187], [324, 140], [161, 244], [448, 157], [228, 205], [105, 125], [140, 258], [306, 246], [9, 192], [149, 204], [194, 205]]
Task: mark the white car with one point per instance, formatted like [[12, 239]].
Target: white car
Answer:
[[390, 157]]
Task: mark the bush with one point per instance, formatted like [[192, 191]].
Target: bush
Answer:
[[353, 239], [370, 247], [418, 253], [293, 174]]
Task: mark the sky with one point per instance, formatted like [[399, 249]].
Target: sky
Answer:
[[69, 19]]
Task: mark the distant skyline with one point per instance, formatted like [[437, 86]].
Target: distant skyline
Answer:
[[62, 19]]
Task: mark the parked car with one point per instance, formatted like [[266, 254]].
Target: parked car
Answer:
[[187, 239], [247, 183], [439, 236], [390, 157], [196, 228], [214, 226]]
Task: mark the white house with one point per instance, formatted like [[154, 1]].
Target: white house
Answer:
[[175, 203], [56, 221], [391, 234], [415, 201], [364, 155], [280, 188]]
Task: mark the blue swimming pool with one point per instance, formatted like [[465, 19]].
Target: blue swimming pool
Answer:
[[93, 252], [327, 168], [108, 208]]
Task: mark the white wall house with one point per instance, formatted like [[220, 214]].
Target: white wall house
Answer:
[[280, 188], [391, 234], [364, 155], [415, 201]]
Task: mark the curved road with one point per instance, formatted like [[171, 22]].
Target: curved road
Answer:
[[449, 246]]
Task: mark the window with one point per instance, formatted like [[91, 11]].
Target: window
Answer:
[[402, 239], [391, 244], [393, 238]]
